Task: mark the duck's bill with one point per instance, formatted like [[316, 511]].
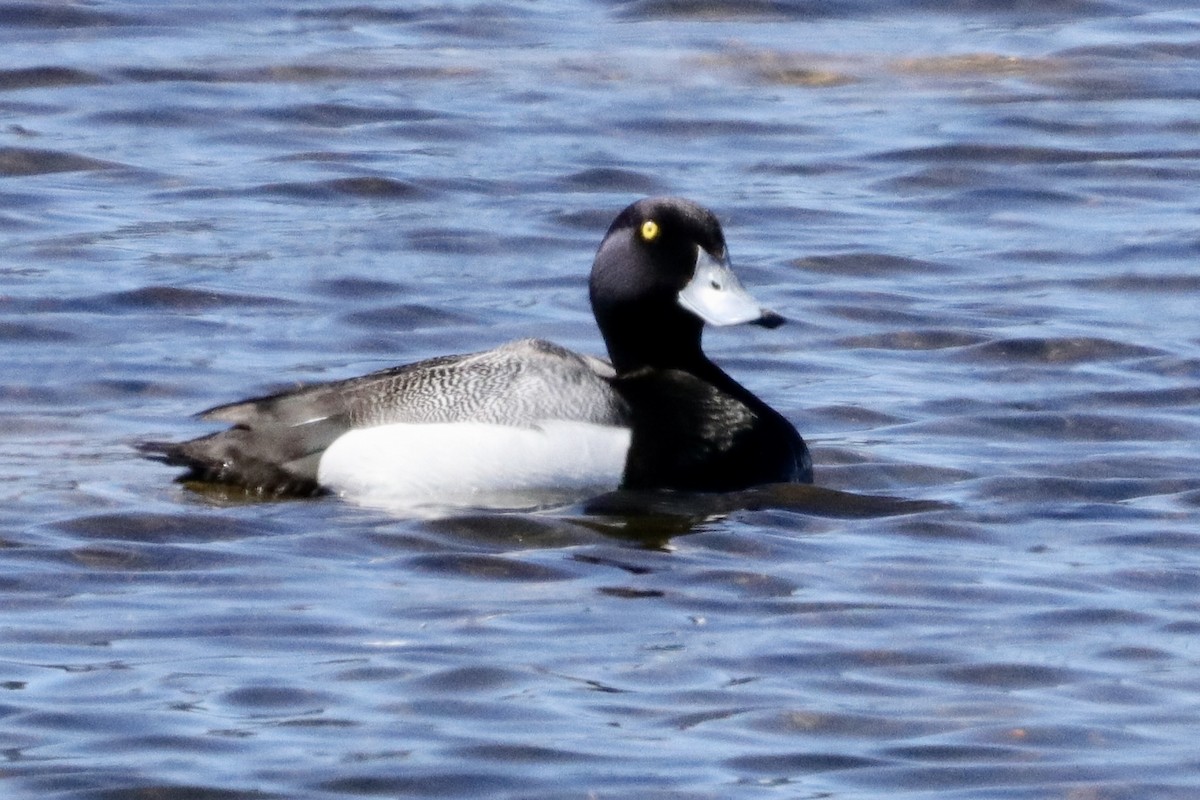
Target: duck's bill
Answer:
[[715, 295]]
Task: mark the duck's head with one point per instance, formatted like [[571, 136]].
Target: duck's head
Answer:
[[660, 274]]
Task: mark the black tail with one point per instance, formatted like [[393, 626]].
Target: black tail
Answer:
[[164, 452], [216, 458]]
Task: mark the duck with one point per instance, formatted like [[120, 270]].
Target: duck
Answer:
[[530, 423]]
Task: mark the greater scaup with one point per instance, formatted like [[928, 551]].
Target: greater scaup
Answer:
[[530, 422]]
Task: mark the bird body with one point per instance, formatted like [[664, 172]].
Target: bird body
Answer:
[[530, 422]]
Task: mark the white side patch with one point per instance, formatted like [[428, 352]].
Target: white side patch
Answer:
[[407, 467]]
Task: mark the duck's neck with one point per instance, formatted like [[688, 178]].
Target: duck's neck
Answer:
[[644, 339]]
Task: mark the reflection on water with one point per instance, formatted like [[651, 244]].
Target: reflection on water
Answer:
[[981, 223]]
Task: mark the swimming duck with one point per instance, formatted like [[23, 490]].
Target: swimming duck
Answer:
[[530, 419]]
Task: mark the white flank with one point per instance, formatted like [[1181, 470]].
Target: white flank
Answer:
[[410, 467]]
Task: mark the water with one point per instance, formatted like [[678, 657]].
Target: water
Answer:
[[982, 225]]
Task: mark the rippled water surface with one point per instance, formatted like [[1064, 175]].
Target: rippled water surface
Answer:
[[983, 225]]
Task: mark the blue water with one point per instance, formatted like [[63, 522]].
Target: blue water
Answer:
[[982, 224]]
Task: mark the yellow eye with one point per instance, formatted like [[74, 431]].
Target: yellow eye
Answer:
[[650, 230]]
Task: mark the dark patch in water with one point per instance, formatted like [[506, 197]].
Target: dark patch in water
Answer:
[[361, 13], [1006, 197], [457, 240], [486, 567], [869, 264], [1141, 282], [1010, 676], [468, 679], [1161, 539], [526, 754], [691, 128], [801, 498], [732, 10], [44, 77], [22, 161], [336, 189], [146, 558], [164, 298], [1090, 617], [163, 528], [355, 288], [412, 781], [630, 593], [405, 317], [589, 220], [1017, 154], [1055, 489], [935, 753], [914, 340], [291, 73], [59, 15], [939, 176], [1057, 350], [821, 725], [341, 115], [275, 699], [854, 416], [602, 179], [803, 763], [33, 334], [1177, 397], [157, 117]]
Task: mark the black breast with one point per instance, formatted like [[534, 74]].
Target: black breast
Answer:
[[691, 435]]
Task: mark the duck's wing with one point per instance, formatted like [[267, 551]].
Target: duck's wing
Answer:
[[276, 441]]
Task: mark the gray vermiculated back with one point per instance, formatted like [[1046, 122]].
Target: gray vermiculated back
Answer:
[[519, 383]]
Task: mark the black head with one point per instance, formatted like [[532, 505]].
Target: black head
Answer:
[[662, 271]]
